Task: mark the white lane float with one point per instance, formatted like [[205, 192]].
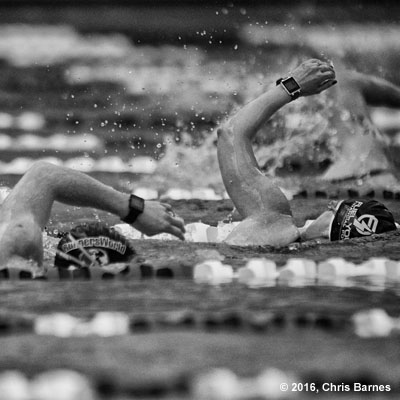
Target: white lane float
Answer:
[[72, 143], [107, 324], [298, 272], [128, 231], [268, 384], [6, 120], [335, 270], [18, 166], [14, 386], [142, 165], [177, 194], [205, 194], [110, 164], [61, 142], [379, 267], [374, 323], [30, 121], [258, 271], [29, 141], [216, 384], [61, 384], [83, 164], [146, 193], [212, 272], [197, 232], [104, 324], [224, 384], [57, 324], [6, 142]]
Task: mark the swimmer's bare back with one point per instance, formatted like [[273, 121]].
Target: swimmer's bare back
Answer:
[[266, 211]]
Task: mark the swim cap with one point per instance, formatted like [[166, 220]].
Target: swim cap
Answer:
[[91, 245], [358, 218]]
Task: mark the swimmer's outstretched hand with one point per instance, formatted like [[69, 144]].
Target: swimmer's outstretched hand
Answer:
[[157, 218], [314, 76]]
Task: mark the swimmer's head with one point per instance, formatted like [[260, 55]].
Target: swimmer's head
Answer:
[[351, 218], [359, 218]]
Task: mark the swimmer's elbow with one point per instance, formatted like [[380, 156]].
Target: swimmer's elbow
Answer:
[[224, 132], [40, 168], [225, 137], [41, 165]]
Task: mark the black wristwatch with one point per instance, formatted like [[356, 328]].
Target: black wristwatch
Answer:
[[291, 87], [136, 207]]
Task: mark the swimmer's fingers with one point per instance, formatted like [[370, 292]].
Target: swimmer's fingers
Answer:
[[157, 218], [326, 84], [176, 231], [323, 66], [167, 206], [326, 73], [177, 221], [326, 68], [313, 75], [177, 226], [170, 211]]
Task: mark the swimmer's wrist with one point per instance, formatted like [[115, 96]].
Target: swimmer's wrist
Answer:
[[136, 207], [290, 86]]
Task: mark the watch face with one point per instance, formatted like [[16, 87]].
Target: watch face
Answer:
[[291, 85], [136, 203]]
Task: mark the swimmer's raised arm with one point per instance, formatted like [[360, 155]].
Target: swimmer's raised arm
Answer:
[[45, 183], [251, 191], [377, 91]]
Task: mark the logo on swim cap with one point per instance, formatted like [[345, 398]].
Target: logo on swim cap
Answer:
[[93, 244], [366, 224], [357, 218]]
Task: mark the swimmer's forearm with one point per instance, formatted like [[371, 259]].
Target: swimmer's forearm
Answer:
[[248, 120], [240, 172], [45, 183], [78, 189]]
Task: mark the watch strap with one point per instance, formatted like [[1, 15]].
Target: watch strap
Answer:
[[136, 207]]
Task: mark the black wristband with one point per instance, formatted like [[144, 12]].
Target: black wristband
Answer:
[[136, 207]]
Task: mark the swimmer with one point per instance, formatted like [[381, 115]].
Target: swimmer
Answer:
[[26, 210], [267, 215], [356, 134]]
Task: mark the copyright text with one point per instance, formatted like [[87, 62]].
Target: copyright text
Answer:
[[333, 387]]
